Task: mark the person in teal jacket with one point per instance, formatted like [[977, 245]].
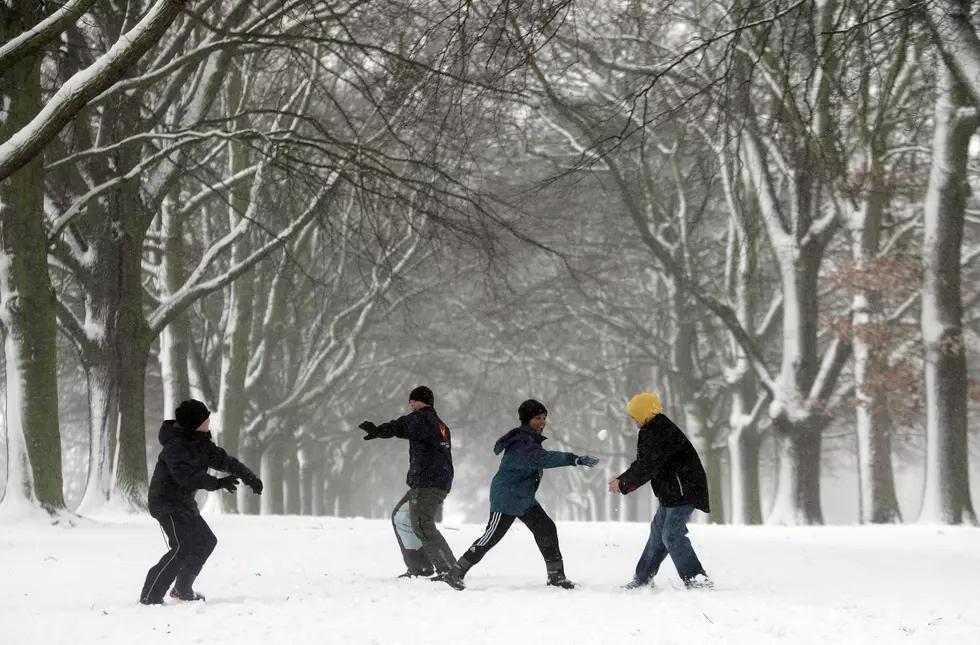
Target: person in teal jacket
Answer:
[[512, 496]]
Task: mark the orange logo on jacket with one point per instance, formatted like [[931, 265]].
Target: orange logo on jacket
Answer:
[[444, 430]]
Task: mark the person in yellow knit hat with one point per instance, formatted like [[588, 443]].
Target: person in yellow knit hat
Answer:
[[667, 459]]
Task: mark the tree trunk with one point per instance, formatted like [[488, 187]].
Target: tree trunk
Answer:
[[310, 463], [878, 500], [947, 488], [248, 502], [292, 483], [233, 400], [798, 475], [27, 300], [744, 444], [273, 478], [174, 339]]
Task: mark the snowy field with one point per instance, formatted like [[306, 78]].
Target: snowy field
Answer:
[[324, 581]]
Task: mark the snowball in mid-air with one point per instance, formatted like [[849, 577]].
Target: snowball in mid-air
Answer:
[[602, 434]]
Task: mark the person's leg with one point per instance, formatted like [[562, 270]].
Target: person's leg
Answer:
[[545, 534], [163, 573], [200, 543], [679, 545], [414, 556], [653, 553], [425, 505], [497, 527]]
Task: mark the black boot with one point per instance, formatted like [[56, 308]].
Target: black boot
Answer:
[[454, 577], [556, 576], [184, 588]]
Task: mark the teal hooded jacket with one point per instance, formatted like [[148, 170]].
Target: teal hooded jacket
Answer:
[[519, 475]]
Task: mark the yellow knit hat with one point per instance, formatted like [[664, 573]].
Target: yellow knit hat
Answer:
[[643, 407]]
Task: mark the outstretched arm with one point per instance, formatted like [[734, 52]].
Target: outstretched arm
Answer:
[[219, 459], [532, 452]]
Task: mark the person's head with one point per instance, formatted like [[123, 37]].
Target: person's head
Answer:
[[533, 414], [643, 407], [420, 397], [193, 415]]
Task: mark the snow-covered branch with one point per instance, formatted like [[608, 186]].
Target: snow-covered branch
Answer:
[[85, 85], [43, 33], [195, 286]]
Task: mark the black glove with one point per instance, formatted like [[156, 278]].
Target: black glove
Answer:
[[229, 483], [370, 429], [252, 481]]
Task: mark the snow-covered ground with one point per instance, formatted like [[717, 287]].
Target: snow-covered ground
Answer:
[[324, 581]]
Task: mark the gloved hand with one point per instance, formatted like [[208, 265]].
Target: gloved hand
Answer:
[[370, 429], [252, 481], [229, 483], [586, 461]]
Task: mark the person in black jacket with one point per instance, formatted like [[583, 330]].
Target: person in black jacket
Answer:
[[430, 478], [666, 458], [181, 470]]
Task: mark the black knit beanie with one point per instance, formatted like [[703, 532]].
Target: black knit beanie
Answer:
[[422, 394], [191, 414], [530, 409]]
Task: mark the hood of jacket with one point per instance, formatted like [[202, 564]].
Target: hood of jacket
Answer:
[[515, 435], [171, 430]]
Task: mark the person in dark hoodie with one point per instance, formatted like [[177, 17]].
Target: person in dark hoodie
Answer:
[[512, 494], [667, 459], [181, 470], [430, 478]]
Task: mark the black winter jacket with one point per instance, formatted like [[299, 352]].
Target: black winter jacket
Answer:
[[666, 458], [182, 469], [430, 456]]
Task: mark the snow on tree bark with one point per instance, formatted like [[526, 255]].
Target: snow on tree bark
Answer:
[[946, 497], [27, 300]]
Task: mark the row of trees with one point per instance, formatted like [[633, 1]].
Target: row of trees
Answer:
[[298, 210]]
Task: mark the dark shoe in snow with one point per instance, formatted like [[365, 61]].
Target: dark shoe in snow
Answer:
[[147, 601], [637, 584], [562, 582], [452, 579], [416, 574], [185, 596], [700, 581], [556, 576]]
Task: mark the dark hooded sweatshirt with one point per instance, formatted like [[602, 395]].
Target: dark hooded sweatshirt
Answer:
[[182, 469], [516, 483], [430, 451]]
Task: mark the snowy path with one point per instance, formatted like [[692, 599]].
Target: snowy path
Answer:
[[321, 581]]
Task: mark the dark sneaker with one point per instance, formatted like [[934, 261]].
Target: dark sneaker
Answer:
[[452, 579], [700, 581], [562, 582], [416, 574], [147, 601], [636, 584], [185, 596]]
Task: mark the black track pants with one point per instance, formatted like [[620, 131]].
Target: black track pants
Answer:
[[191, 543]]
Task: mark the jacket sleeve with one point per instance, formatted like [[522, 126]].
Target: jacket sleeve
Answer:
[[409, 427], [181, 466], [536, 456], [656, 446], [219, 459]]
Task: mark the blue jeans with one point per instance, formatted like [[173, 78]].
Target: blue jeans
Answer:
[[668, 536]]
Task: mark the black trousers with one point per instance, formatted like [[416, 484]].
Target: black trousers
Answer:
[[536, 520], [423, 547], [191, 543]]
